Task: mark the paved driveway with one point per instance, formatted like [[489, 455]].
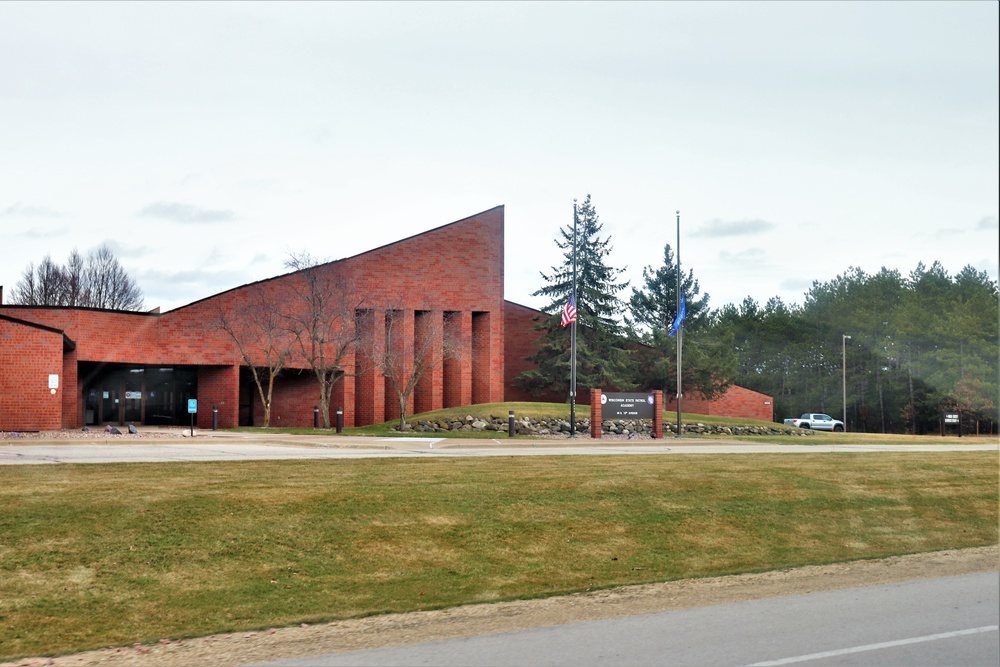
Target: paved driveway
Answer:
[[224, 446]]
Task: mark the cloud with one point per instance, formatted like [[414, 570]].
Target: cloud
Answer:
[[986, 224], [20, 211], [800, 285], [746, 255], [184, 213], [125, 252], [36, 233], [720, 228]]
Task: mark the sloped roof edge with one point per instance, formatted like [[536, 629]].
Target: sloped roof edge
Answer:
[[68, 342], [342, 259]]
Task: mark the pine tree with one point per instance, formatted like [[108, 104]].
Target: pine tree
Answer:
[[655, 305], [601, 358], [710, 360]]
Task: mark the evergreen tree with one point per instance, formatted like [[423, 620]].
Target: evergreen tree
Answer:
[[708, 352], [655, 305], [600, 355]]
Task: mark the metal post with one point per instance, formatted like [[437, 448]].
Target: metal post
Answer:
[[316, 416], [510, 424], [843, 366], [215, 417], [340, 420], [680, 329], [572, 361]]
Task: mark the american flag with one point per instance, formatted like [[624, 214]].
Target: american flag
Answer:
[[569, 312]]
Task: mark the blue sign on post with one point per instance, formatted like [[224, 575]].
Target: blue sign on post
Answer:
[[192, 405]]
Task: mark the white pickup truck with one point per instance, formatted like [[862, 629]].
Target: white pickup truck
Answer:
[[816, 421]]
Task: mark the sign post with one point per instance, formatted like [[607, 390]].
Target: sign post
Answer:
[[951, 419], [192, 410]]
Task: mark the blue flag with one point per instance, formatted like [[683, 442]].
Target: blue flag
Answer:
[[680, 316]]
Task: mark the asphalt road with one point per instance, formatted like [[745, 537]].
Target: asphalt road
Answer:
[[931, 622], [249, 447]]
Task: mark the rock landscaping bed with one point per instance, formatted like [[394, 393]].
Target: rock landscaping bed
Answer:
[[555, 426], [80, 434]]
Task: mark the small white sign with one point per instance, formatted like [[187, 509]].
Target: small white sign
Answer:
[[53, 381]]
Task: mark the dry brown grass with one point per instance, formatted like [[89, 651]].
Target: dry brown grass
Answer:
[[113, 554]]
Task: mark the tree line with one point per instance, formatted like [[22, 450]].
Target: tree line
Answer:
[[909, 347]]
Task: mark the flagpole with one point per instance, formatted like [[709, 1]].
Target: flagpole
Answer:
[[680, 326], [572, 354]]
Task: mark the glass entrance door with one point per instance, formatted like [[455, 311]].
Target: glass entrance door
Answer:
[[111, 404], [133, 392], [121, 394]]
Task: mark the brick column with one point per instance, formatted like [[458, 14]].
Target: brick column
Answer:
[[596, 414], [482, 361], [458, 365], [343, 397], [428, 339], [72, 392], [218, 386], [369, 385], [399, 340], [658, 414]]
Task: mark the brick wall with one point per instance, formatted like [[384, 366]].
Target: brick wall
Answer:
[[736, 402], [457, 267], [28, 356], [520, 342], [218, 386]]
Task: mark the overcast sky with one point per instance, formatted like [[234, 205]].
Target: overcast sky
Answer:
[[205, 142]]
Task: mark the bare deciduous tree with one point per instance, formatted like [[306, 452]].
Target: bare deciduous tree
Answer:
[[107, 283], [258, 329], [320, 317], [404, 358], [99, 281]]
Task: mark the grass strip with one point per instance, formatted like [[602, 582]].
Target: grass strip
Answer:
[[107, 555]]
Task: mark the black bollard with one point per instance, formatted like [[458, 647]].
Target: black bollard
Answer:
[[510, 424], [340, 420], [316, 417], [215, 417]]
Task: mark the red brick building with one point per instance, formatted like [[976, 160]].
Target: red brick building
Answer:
[[66, 367]]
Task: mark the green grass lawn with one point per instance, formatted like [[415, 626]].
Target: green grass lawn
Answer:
[[99, 555]]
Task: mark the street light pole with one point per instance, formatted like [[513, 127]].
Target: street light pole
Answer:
[[844, 367]]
